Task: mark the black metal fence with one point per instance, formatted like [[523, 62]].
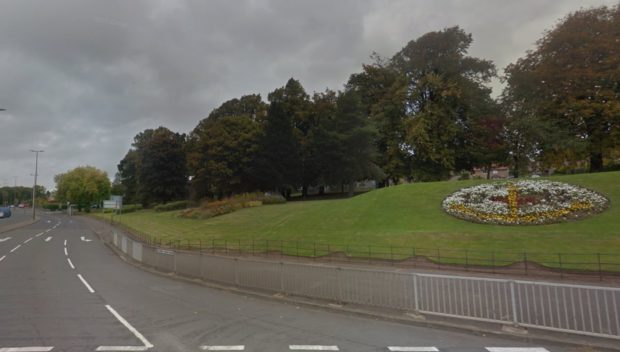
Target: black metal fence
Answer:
[[588, 265]]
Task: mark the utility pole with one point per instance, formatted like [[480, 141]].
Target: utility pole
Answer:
[[14, 189], [36, 172]]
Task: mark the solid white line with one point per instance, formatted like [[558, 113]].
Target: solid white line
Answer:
[[49, 238], [412, 349], [70, 264], [25, 349], [516, 349], [66, 251], [48, 230], [65, 243], [122, 348], [28, 240], [223, 348], [146, 342], [14, 249], [313, 348], [2, 258], [86, 284], [39, 234]]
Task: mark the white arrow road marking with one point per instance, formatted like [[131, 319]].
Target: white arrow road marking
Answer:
[[26, 349], [4, 239], [14, 249], [223, 348], [86, 283], [70, 264], [49, 238], [85, 239], [136, 333], [313, 348], [412, 349], [516, 349]]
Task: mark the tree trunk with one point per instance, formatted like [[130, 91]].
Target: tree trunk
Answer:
[[488, 172], [515, 171], [351, 188], [596, 162], [304, 191]]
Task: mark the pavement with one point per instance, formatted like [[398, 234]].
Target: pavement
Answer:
[[61, 289]]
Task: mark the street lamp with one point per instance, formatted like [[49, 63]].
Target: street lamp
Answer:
[[36, 170]]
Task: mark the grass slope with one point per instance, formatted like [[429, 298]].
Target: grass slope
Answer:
[[402, 216]]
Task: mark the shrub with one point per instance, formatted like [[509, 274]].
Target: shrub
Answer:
[[130, 208], [211, 208], [273, 199], [182, 204], [465, 175]]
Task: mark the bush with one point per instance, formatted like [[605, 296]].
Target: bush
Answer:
[[465, 175], [182, 204], [211, 208], [130, 208]]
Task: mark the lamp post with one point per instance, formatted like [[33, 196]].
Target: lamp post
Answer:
[[36, 171]]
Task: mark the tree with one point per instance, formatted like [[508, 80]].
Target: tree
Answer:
[[162, 170], [280, 163], [382, 90], [445, 94], [127, 177], [83, 186], [349, 144], [571, 81]]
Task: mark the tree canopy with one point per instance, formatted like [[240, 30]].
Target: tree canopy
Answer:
[[84, 186]]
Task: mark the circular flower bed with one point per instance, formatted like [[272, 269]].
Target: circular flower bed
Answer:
[[523, 202]]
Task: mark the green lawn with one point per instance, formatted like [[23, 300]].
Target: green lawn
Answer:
[[405, 216]]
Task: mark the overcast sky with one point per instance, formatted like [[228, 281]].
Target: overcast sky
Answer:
[[80, 78]]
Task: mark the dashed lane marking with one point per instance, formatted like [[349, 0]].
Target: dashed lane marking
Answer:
[[70, 264], [26, 349], [14, 249], [67, 254], [516, 349], [28, 240], [49, 238], [65, 243], [223, 348], [412, 349], [2, 258], [312, 348], [85, 283], [39, 234]]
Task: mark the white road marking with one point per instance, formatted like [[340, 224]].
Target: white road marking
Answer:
[[70, 264], [516, 349], [313, 348], [122, 348], [86, 284], [39, 234], [85, 239], [2, 258], [65, 243], [14, 249], [140, 337], [49, 238], [412, 349], [5, 239], [223, 348], [28, 240], [48, 230], [25, 349], [67, 254]]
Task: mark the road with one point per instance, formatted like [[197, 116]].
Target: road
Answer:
[[18, 215], [64, 290]]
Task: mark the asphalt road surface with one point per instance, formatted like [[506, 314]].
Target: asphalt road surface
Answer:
[[61, 289], [17, 215]]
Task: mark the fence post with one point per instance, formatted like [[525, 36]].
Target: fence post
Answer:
[[416, 298], [515, 320]]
